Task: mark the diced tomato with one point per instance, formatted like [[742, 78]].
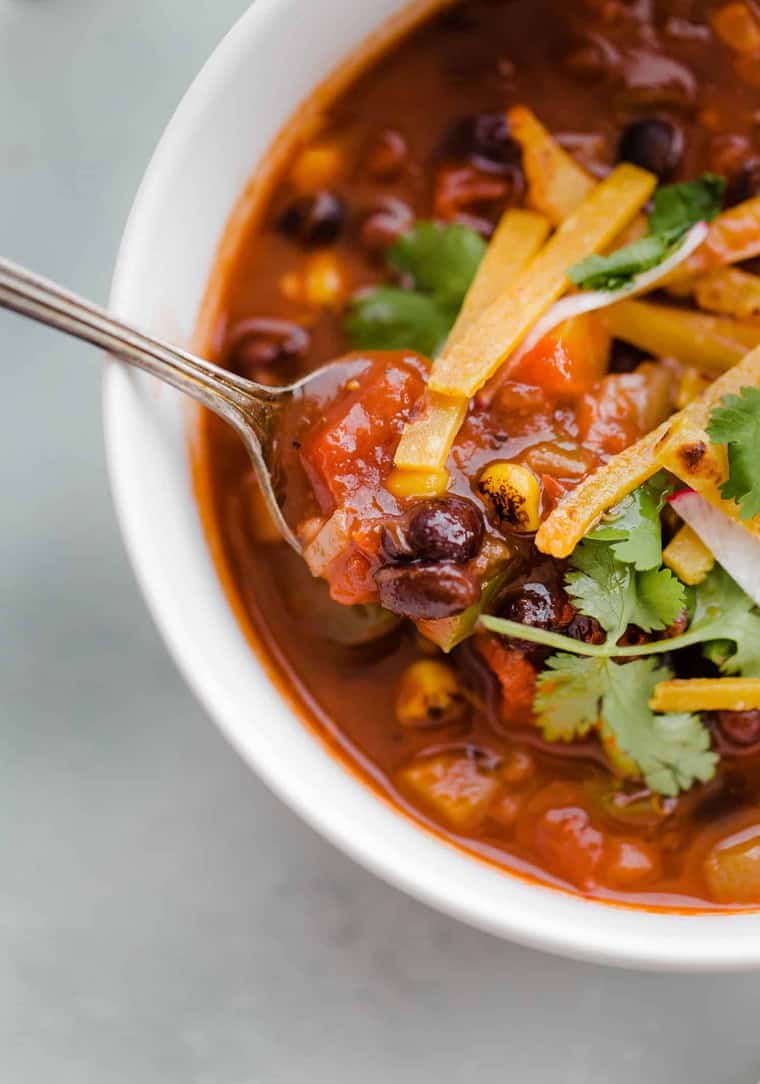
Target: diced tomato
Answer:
[[623, 407], [558, 826], [349, 454], [516, 675], [569, 360]]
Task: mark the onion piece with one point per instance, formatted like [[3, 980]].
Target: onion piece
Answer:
[[590, 300], [733, 546]]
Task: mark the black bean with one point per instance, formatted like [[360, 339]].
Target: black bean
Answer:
[[586, 629], [261, 342], [653, 144], [540, 605], [740, 727], [447, 529], [427, 591], [485, 140], [743, 185], [314, 220]]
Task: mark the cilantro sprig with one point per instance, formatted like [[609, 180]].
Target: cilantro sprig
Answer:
[[676, 208], [436, 265], [633, 526], [670, 752], [736, 423]]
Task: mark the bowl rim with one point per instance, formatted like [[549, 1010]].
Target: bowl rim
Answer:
[[561, 922]]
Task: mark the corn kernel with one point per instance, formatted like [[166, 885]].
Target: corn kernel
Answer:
[[429, 695], [512, 494], [417, 483], [324, 284], [691, 384], [316, 167], [291, 286], [688, 556]]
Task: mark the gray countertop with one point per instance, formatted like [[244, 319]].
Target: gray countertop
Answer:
[[163, 919]]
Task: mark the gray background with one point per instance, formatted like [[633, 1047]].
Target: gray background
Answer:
[[162, 917]]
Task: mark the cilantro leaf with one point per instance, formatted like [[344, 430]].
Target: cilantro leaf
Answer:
[[729, 622], [670, 752], [389, 318], [441, 260], [602, 587], [660, 599], [736, 423], [676, 208], [633, 525], [439, 264], [569, 696]]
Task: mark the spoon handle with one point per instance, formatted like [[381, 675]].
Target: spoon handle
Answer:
[[251, 408]]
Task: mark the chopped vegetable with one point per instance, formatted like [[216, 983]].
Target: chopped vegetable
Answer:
[[557, 185], [709, 343], [736, 423], [736, 549], [429, 695], [567, 361], [427, 439], [447, 632], [575, 695], [405, 484], [512, 495], [737, 25], [464, 367], [441, 262], [707, 694], [688, 556], [732, 868], [455, 788], [677, 208]]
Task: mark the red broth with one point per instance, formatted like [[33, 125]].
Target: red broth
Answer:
[[400, 144]]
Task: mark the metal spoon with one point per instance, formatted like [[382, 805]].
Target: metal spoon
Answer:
[[252, 409]]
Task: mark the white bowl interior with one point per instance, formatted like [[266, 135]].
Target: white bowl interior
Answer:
[[259, 74]]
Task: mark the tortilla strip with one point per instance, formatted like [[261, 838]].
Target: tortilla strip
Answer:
[[707, 694], [426, 441], [709, 343], [465, 365], [728, 291], [680, 444], [734, 236], [557, 185]]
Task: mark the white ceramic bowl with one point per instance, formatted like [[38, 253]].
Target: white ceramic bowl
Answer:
[[263, 69]]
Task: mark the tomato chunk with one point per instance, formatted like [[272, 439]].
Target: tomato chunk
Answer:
[[350, 452], [569, 360]]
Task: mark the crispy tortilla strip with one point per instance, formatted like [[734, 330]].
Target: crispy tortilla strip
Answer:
[[466, 365], [680, 444], [727, 291], [686, 449], [709, 343], [580, 509], [426, 441], [557, 185], [733, 236], [707, 694]]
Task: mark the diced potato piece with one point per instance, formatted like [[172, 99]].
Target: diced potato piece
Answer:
[[580, 509], [734, 236], [512, 495], [557, 185], [453, 787], [737, 26], [707, 694], [688, 556], [685, 448], [417, 483], [728, 291], [709, 343], [426, 441], [429, 695], [732, 868], [466, 364]]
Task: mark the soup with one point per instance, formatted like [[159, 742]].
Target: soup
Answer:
[[516, 618]]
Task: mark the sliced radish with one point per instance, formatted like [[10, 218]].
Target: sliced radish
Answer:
[[732, 545], [590, 300]]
